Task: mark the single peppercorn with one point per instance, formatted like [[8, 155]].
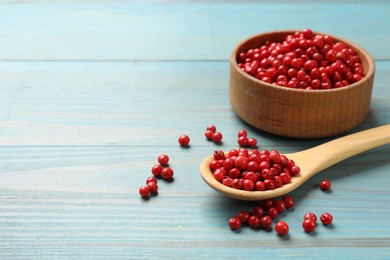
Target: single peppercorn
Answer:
[[326, 218], [242, 133], [273, 212], [212, 128], [163, 159], [254, 222], [252, 142], [242, 141], [280, 205], [289, 201], [209, 134], [184, 140], [152, 186], [151, 179], [167, 173], [310, 215], [217, 137], [243, 216], [258, 211], [156, 170], [325, 185], [234, 223], [265, 222], [308, 225], [144, 191], [282, 228]]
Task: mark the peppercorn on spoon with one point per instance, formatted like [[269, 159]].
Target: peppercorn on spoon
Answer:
[[310, 161]]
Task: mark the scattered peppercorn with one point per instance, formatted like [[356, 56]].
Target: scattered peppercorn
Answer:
[[325, 185]]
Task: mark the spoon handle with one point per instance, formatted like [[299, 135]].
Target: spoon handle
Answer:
[[330, 153]]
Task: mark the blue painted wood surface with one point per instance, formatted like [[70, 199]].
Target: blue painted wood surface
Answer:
[[91, 92]]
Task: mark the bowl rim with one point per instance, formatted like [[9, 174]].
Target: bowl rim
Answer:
[[370, 59]]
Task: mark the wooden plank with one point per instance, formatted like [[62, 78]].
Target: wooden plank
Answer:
[[168, 30], [130, 103]]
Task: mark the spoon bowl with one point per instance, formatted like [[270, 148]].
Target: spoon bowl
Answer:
[[310, 161]]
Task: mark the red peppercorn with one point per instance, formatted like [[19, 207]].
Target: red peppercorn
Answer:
[[265, 222], [253, 166], [167, 173], [326, 218], [163, 159], [234, 223], [269, 184], [184, 140], [144, 191], [211, 128], [274, 156], [242, 141], [217, 137], [227, 181], [252, 169], [219, 174], [241, 162], [258, 211], [259, 185], [152, 186], [254, 222], [219, 155], [209, 134], [289, 201], [295, 170], [151, 179], [243, 216], [156, 170], [308, 225], [280, 205], [242, 133], [252, 142], [248, 185], [268, 203], [310, 215], [325, 185], [237, 183], [281, 228], [286, 177], [305, 51], [215, 164], [273, 212]]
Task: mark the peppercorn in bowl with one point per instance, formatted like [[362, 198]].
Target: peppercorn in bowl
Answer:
[[301, 84]]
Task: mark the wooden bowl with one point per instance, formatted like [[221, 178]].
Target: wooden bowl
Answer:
[[295, 112]]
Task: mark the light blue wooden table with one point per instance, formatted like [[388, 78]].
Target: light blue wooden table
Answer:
[[91, 92]]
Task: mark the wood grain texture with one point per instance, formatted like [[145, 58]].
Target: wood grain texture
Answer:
[[145, 30], [91, 92], [135, 103]]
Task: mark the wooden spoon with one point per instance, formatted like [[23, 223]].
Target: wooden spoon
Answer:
[[311, 162]]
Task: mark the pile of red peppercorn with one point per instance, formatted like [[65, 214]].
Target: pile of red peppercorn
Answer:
[[304, 60], [252, 169], [262, 217]]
